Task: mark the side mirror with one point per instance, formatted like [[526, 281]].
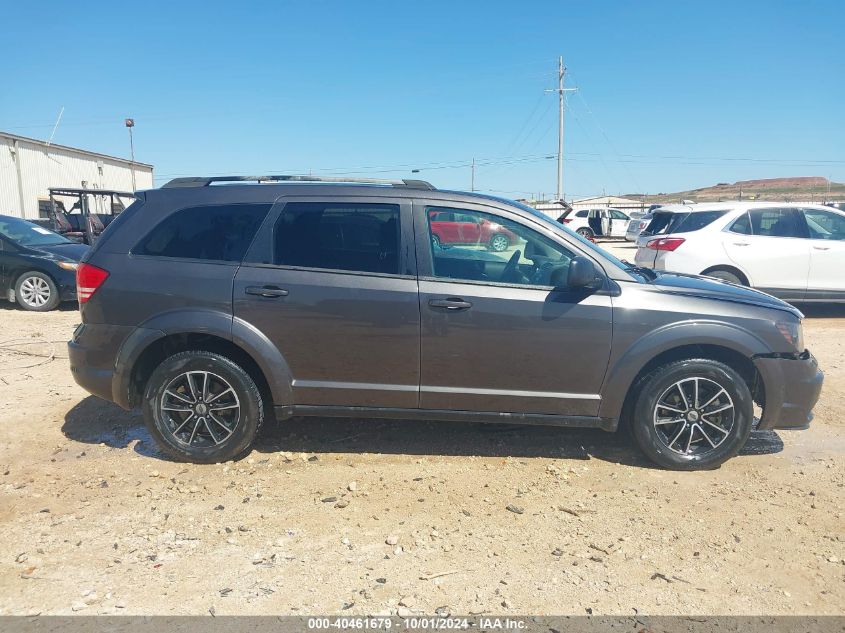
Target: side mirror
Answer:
[[581, 274]]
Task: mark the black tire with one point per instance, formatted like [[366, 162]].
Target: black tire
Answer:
[[585, 233], [32, 288], [435, 241], [499, 243], [653, 433], [726, 275], [203, 447]]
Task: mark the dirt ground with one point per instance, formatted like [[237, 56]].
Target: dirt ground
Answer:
[[378, 517]]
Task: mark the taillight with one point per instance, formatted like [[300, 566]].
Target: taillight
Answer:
[[567, 220], [665, 243], [88, 279]]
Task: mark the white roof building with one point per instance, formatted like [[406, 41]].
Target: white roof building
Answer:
[[605, 201], [29, 167]]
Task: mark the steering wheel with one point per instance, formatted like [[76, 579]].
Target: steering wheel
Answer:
[[510, 267]]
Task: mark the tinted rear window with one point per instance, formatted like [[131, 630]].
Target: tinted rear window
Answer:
[[695, 221], [218, 233], [344, 236], [664, 223]]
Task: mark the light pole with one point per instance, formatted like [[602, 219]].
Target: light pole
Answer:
[[130, 123]]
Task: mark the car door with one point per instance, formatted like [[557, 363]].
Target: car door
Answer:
[[827, 254], [331, 282], [445, 229], [468, 228], [495, 335], [770, 244], [4, 266], [619, 223]]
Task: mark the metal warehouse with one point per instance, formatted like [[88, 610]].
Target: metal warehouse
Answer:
[[29, 168]]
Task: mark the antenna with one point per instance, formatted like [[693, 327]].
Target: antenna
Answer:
[[56, 127]]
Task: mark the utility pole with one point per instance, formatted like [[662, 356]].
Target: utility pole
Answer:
[[561, 74], [472, 179], [130, 123]]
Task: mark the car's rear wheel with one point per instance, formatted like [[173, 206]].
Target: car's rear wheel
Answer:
[[202, 407], [435, 241], [37, 292], [726, 275], [586, 233], [692, 414], [499, 243]]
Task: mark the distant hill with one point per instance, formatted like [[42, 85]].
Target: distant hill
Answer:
[[802, 188]]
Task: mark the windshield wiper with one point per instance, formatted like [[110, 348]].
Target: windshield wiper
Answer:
[[648, 273]]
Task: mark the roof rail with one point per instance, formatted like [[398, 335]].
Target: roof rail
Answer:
[[205, 181]]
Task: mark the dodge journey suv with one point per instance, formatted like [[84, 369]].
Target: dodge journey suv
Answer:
[[216, 303]]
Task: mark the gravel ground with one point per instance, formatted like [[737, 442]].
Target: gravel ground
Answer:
[[368, 517]]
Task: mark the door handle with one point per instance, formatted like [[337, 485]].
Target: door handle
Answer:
[[452, 304], [741, 243], [270, 292], [821, 248]]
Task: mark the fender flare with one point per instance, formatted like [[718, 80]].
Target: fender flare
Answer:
[[623, 371], [198, 321]]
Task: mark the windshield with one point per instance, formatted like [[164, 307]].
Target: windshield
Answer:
[[29, 234]]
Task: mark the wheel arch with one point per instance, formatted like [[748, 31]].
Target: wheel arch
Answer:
[[19, 271], [721, 342], [208, 331], [743, 276]]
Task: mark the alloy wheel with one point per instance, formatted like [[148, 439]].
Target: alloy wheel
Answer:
[[35, 291], [694, 416], [200, 409], [499, 243]]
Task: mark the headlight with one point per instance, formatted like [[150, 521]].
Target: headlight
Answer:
[[793, 332], [68, 265]]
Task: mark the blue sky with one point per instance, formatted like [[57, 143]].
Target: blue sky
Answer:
[[672, 95]]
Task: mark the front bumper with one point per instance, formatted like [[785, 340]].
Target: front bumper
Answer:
[[792, 388]]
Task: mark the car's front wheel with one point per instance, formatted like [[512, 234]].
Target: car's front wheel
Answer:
[[202, 407], [692, 414], [37, 292]]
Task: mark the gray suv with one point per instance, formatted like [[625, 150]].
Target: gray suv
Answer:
[[216, 303]]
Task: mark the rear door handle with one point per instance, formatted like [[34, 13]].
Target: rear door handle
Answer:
[[271, 292], [741, 243], [821, 248], [452, 303]]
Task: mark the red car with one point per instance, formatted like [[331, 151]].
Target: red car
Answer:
[[451, 227]]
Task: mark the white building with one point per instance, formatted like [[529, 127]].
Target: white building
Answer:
[[555, 209], [603, 202], [28, 168]]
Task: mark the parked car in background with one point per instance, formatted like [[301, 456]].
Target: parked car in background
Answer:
[[214, 307], [450, 227], [839, 206], [592, 223], [37, 265], [793, 251]]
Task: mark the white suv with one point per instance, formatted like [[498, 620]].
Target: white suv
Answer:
[[600, 222], [793, 251]]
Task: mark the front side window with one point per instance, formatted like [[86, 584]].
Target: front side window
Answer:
[[489, 248], [776, 223], [358, 237], [824, 225], [618, 215], [214, 233]]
